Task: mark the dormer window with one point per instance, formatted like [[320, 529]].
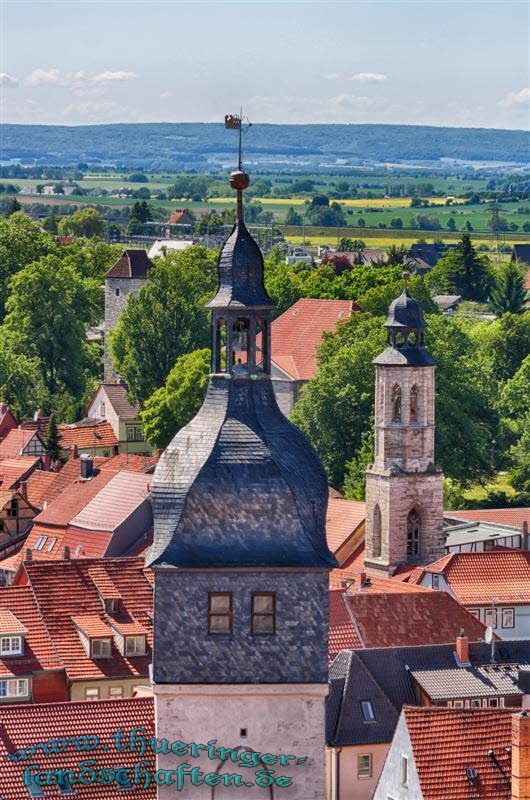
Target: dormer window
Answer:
[[112, 605], [100, 648], [135, 645], [11, 646]]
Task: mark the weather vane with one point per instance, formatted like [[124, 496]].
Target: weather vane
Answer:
[[235, 123]]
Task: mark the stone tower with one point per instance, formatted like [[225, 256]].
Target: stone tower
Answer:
[[124, 278], [240, 560], [404, 487]]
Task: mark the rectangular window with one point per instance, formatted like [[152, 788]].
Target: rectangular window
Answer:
[[475, 703], [100, 648], [135, 645], [490, 617], [475, 612], [508, 617], [134, 433], [92, 694], [364, 766], [52, 543], [220, 612], [12, 510], [404, 770], [368, 711], [435, 581], [11, 645], [116, 692], [41, 541], [14, 688], [263, 612], [458, 704], [112, 605]]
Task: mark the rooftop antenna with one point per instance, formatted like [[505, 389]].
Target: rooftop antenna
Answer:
[[238, 180]]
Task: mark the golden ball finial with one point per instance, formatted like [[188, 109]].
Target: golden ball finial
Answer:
[[405, 275], [239, 180]]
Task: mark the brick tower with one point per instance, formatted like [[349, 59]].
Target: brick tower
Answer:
[[240, 559], [404, 487]]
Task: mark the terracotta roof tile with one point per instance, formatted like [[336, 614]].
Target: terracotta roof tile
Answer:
[[103, 583], [73, 499], [13, 470], [96, 434], [480, 578], [447, 741], [128, 626], [297, 333], [131, 264], [64, 589], [18, 604], [39, 484], [343, 634], [502, 516], [23, 724], [15, 441], [343, 517], [350, 569], [130, 462], [93, 626]]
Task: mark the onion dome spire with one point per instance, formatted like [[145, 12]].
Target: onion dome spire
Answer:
[[405, 325]]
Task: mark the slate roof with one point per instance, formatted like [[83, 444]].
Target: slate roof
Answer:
[[64, 591], [88, 434], [14, 442], [447, 741], [131, 264], [502, 575], [14, 470], [18, 605], [297, 333], [117, 396], [240, 268], [500, 516], [410, 617], [24, 724]]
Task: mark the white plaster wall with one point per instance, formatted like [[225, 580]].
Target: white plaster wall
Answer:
[[284, 719]]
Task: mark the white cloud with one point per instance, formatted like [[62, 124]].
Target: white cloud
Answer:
[[332, 76], [369, 77], [118, 75], [8, 81], [43, 77], [521, 98], [166, 94]]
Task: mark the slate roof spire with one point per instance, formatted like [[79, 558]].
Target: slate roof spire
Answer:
[[405, 325]]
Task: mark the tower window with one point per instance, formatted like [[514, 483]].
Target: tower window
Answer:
[[396, 404], [220, 612], [414, 404], [376, 532], [263, 612], [117, 292], [413, 534]]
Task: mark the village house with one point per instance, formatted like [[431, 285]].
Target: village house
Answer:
[[161, 247], [91, 436], [98, 614], [21, 442], [441, 753], [110, 403], [8, 420]]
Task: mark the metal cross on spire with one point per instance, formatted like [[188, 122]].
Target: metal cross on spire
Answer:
[[235, 122]]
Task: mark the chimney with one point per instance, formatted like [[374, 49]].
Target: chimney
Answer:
[[23, 489], [46, 461], [28, 554], [520, 756], [66, 553], [74, 452], [462, 649], [87, 466], [524, 535]]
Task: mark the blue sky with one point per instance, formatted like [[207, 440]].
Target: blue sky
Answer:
[[433, 62]]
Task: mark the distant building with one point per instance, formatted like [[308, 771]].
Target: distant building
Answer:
[[110, 403], [21, 442], [521, 253], [181, 217], [448, 303], [92, 436], [164, 246], [8, 420], [125, 277]]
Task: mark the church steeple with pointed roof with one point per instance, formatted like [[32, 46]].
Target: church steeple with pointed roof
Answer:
[[239, 553]]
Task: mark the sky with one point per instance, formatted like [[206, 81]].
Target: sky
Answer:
[[427, 62]]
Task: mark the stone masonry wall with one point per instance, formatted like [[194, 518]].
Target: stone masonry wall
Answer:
[[114, 306]]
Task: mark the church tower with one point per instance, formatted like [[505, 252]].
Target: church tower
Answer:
[[241, 561], [404, 487]]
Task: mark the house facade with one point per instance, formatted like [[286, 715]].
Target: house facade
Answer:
[[110, 403]]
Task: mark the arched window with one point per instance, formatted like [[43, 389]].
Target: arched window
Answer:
[[413, 534], [396, 404], [414, 404], [376, 532]]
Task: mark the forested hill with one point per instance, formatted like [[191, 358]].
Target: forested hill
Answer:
[[199, 145]]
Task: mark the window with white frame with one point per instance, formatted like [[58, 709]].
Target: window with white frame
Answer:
[[475, 612], [17, 687], [92, 693], [134, 433], [135, 645], [51, 544], [368, 711], [116, 692], [490, 617], [41, 541], [100, 648], [404, 770], [508, 618], [11, 645], [364, 766]]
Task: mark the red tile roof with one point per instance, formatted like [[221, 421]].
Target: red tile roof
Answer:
[[73, 499], [131, 264], [13, 470], [297, 333], [447, 741], [502, 576], [92, 626], [15, 441], [39, 486], [114, 502], [24, 724], [131, 462], [64, 589], [89, 435], [343, 518], [39, 653], [411, 617], [350, 569], [177, 215], [502, 516], [10, 624]]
